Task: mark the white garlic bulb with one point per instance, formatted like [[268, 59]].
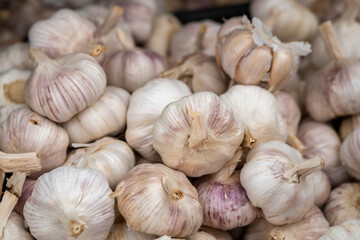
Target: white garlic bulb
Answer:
[[95, 13], [343, 204], [15, 56], [12, 83], [206, 233], [258, 110], [15, 229], [112, 157], [290, 20], [69, 203], [296, 88], [323, 187], [349, 230], [145, 106], [274, 178], [158, 200], [258, 230], [8, 109], [26, 131], [60, 88], [349, 153], [107, 116], [197, 134], [122, 231], [348, 125]]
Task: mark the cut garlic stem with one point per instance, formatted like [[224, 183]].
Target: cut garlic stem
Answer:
[[197, 131], [227, 171], [76, 228], [295, 142], [16, 183], [40, 58], [19, 162], [93, 49], [200, 37], [124, 39], [172, 189], [14, 91], [331, 42], [249, 140], [112, 19], [6, 206], [304, 169]]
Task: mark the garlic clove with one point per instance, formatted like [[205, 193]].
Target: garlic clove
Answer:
[[60, 88], [15, 229], [12, 83], [15, 56], [282, 67], [348, 125], [349, 153], [348, 230], [70, 203], [122, 231], [158, 200]]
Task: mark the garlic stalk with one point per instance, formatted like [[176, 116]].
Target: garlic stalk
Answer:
[[349, 230], [15, 229], [70, 203], [348, 125], [19, 162], [349, 153], [122, 231], [15, 56], [155, 199], [12, 83]]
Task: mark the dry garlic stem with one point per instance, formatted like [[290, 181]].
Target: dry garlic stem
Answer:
[[349, 230], [122, 231], [197, 134], [146, 105], [7, 204], [350, 152], [22, 162], [69, 203], [348, 125], [15, 229], [15, 56], [158, 200], [12, 83], [274, 178]]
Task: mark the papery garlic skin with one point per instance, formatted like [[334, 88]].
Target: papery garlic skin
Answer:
[[26, 131], [272, 178], [343, 204], [112, 157], [323, 187], [259, 229], [15, 56], [145, 106], [107, 116], [25, 194], [70, 203], [258, 110], [350, 152], [61, 34], [8, 109], [154, 191], [348, 125], [15, 229], [122, 231], [122, 68], [60, 88], [349, 230], [197, 134], [12, 84], [206, 233]]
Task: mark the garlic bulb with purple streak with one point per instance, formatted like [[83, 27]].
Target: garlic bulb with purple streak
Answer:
[[350, 152]]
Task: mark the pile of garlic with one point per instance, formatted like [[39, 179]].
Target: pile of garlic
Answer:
[[119, 122]]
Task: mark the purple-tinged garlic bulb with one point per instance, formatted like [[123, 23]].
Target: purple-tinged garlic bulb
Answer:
[[349, 230], [250, 54], [60, 88], [154, 191], [26, 192], [15, 229], [274, 178], [121, 231], [197, 134], [146, 105], [348, 125], [26, 131], [70, 203], [323, 187], [15, 56], [350, 152]]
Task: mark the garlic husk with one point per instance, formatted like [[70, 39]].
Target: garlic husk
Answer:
[[15, 56], [26, 131], [258, 111], [112, 157], [349, 230], [158, 200], [122, 231], [26, 192], [206, 233], [200, 72], [348, 125], [12, 84], [60, 88], [290, 20], [70, 203], [274, 178], [191, 38], [145, 106], [349, 153], [197, 134], [323, 187], [15, 229], [258, 230], [107, 116], [343, 204]]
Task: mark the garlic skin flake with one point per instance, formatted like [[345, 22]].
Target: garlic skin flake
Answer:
[[15, 56], [348, 125], [145, 106], [112, 157], [197, 134], [349, 230], [26, 131], [12, 83], [15, 229], [274, 178], [122, 231], [158, 200], [69, 203], [60, 88], [350, 152]]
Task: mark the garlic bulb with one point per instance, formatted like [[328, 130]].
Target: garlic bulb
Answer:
[[26, 192], [334, 90], [195, 37], [107, 116], [349, 230], [323, 187], [12, 84], [258, 230], [158, 200], [69, 203], [290, 20], [348, 125], [94, 13], [200, 73], [26, 131], [343, 204], [296, 88], [349, 153], [250, 54], [197, 134], [15, 56], [274, 178], [206, 233], [8, 109], [122, 231], [15, 229], [146, 105], [112, 157], [60, 88], [258, 110]]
